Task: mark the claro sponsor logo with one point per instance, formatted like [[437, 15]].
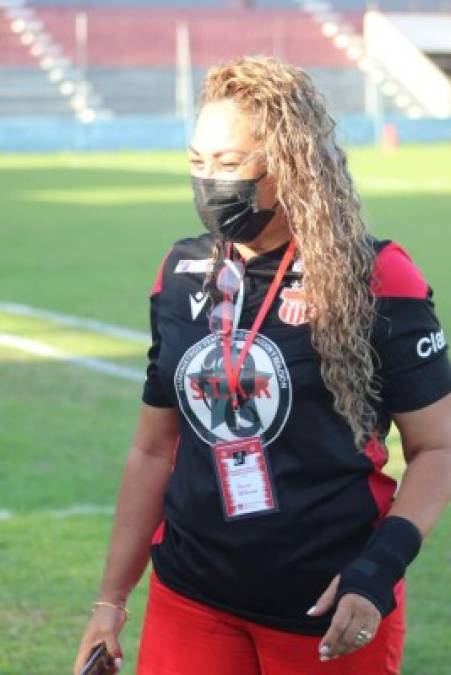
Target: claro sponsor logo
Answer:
[[431, 343]]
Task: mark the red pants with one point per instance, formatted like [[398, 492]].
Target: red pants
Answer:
[[181, 636]]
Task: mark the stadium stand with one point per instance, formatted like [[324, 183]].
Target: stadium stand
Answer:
[[27, 90], [339, 5], [139, 37], [131, 50], [156, 4], [393, 5], [135, 75], [11, 50], [23, 86]]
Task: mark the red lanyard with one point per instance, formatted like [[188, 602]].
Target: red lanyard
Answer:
[[233, 373]]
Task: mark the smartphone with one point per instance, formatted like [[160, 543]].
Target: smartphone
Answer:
[[99, 662]]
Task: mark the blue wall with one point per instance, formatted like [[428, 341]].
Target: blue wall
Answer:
[[28, 134], [38, 134]]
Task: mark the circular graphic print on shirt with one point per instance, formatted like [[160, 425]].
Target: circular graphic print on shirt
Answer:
[[264, 392]]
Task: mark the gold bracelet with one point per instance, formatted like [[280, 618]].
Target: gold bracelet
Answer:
[[110, 604]]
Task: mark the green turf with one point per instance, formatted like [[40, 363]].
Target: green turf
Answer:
[[83, 235]]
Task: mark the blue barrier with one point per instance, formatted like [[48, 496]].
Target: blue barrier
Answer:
[[364, 130], [37, 134]]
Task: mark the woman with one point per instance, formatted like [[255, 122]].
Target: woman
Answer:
[[284, 342]]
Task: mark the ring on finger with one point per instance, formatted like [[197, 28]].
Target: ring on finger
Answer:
[[363, 636]]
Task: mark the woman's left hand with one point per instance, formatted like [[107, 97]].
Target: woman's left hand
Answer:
[[353, 614]]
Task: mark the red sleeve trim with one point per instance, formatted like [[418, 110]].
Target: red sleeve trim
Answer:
[[158, 283], [395, 275]]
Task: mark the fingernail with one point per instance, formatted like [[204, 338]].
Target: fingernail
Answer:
[[325, 649], [311, 610], [118, 663], [325, 658]]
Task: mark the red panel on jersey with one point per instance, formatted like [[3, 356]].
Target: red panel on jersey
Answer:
[[396, 276], [158, 283], [381, 486], [159, 532]]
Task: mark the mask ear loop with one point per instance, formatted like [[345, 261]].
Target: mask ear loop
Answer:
[[265, 173]]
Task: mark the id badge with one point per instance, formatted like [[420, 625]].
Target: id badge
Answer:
[[244, 478]]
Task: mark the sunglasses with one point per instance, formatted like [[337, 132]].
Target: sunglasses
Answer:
[[223, 315]]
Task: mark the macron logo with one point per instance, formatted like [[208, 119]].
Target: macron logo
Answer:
[[197, 304], [431, 343]]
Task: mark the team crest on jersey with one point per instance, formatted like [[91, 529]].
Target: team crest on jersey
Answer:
[[295, 309], [264, 392]]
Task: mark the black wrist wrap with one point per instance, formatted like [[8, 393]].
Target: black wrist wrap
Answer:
[[391, 547]]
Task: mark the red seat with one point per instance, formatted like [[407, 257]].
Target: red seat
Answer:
[[125, 37]]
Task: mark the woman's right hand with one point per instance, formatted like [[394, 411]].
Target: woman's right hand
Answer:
[[105, 625]]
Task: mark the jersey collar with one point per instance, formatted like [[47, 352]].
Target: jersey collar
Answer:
[[266, 260]]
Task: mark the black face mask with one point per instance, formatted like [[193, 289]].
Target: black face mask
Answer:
[[228, 208]]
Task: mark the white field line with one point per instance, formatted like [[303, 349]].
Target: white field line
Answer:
[[75, 322], [74, 510], [41, 349]]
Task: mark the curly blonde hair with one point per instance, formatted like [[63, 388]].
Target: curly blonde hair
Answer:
[[323, 211]]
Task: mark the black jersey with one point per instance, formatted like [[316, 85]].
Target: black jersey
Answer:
[[271, 568]]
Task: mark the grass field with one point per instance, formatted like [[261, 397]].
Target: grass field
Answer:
[[82, 235]]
